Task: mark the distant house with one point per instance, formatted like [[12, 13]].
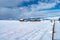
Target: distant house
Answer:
[[21, 20], [30, 19], [34, 20], [24, 20]]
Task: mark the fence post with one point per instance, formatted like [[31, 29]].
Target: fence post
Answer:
[[53, 30]]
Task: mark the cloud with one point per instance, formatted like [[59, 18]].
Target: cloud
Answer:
[[58, 1], [41, 6], [15, 3], [25, 11], [46, 13], [15, 13], [7, 13], [11, 3]]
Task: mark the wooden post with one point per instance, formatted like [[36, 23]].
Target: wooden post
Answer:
[[53, 30]]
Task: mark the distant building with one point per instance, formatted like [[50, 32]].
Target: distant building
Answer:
[[21, 20], [30, 19], [34, 19]]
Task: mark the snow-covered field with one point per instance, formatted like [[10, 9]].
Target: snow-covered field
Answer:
[[15, 30], [57, 30]]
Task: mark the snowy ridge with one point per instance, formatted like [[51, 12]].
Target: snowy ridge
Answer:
[[52, 18]]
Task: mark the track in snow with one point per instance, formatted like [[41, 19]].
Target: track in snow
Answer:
[[15, 30]]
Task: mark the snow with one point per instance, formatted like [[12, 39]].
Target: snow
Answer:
[[57, 31], [16, 30]]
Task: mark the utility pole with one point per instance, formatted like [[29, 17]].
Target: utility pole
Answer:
[[53, 30]]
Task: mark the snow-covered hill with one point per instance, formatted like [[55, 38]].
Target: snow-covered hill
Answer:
[[16, 30]]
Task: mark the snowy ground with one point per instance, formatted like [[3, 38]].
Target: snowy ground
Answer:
[[57, 31], [15, 30]]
